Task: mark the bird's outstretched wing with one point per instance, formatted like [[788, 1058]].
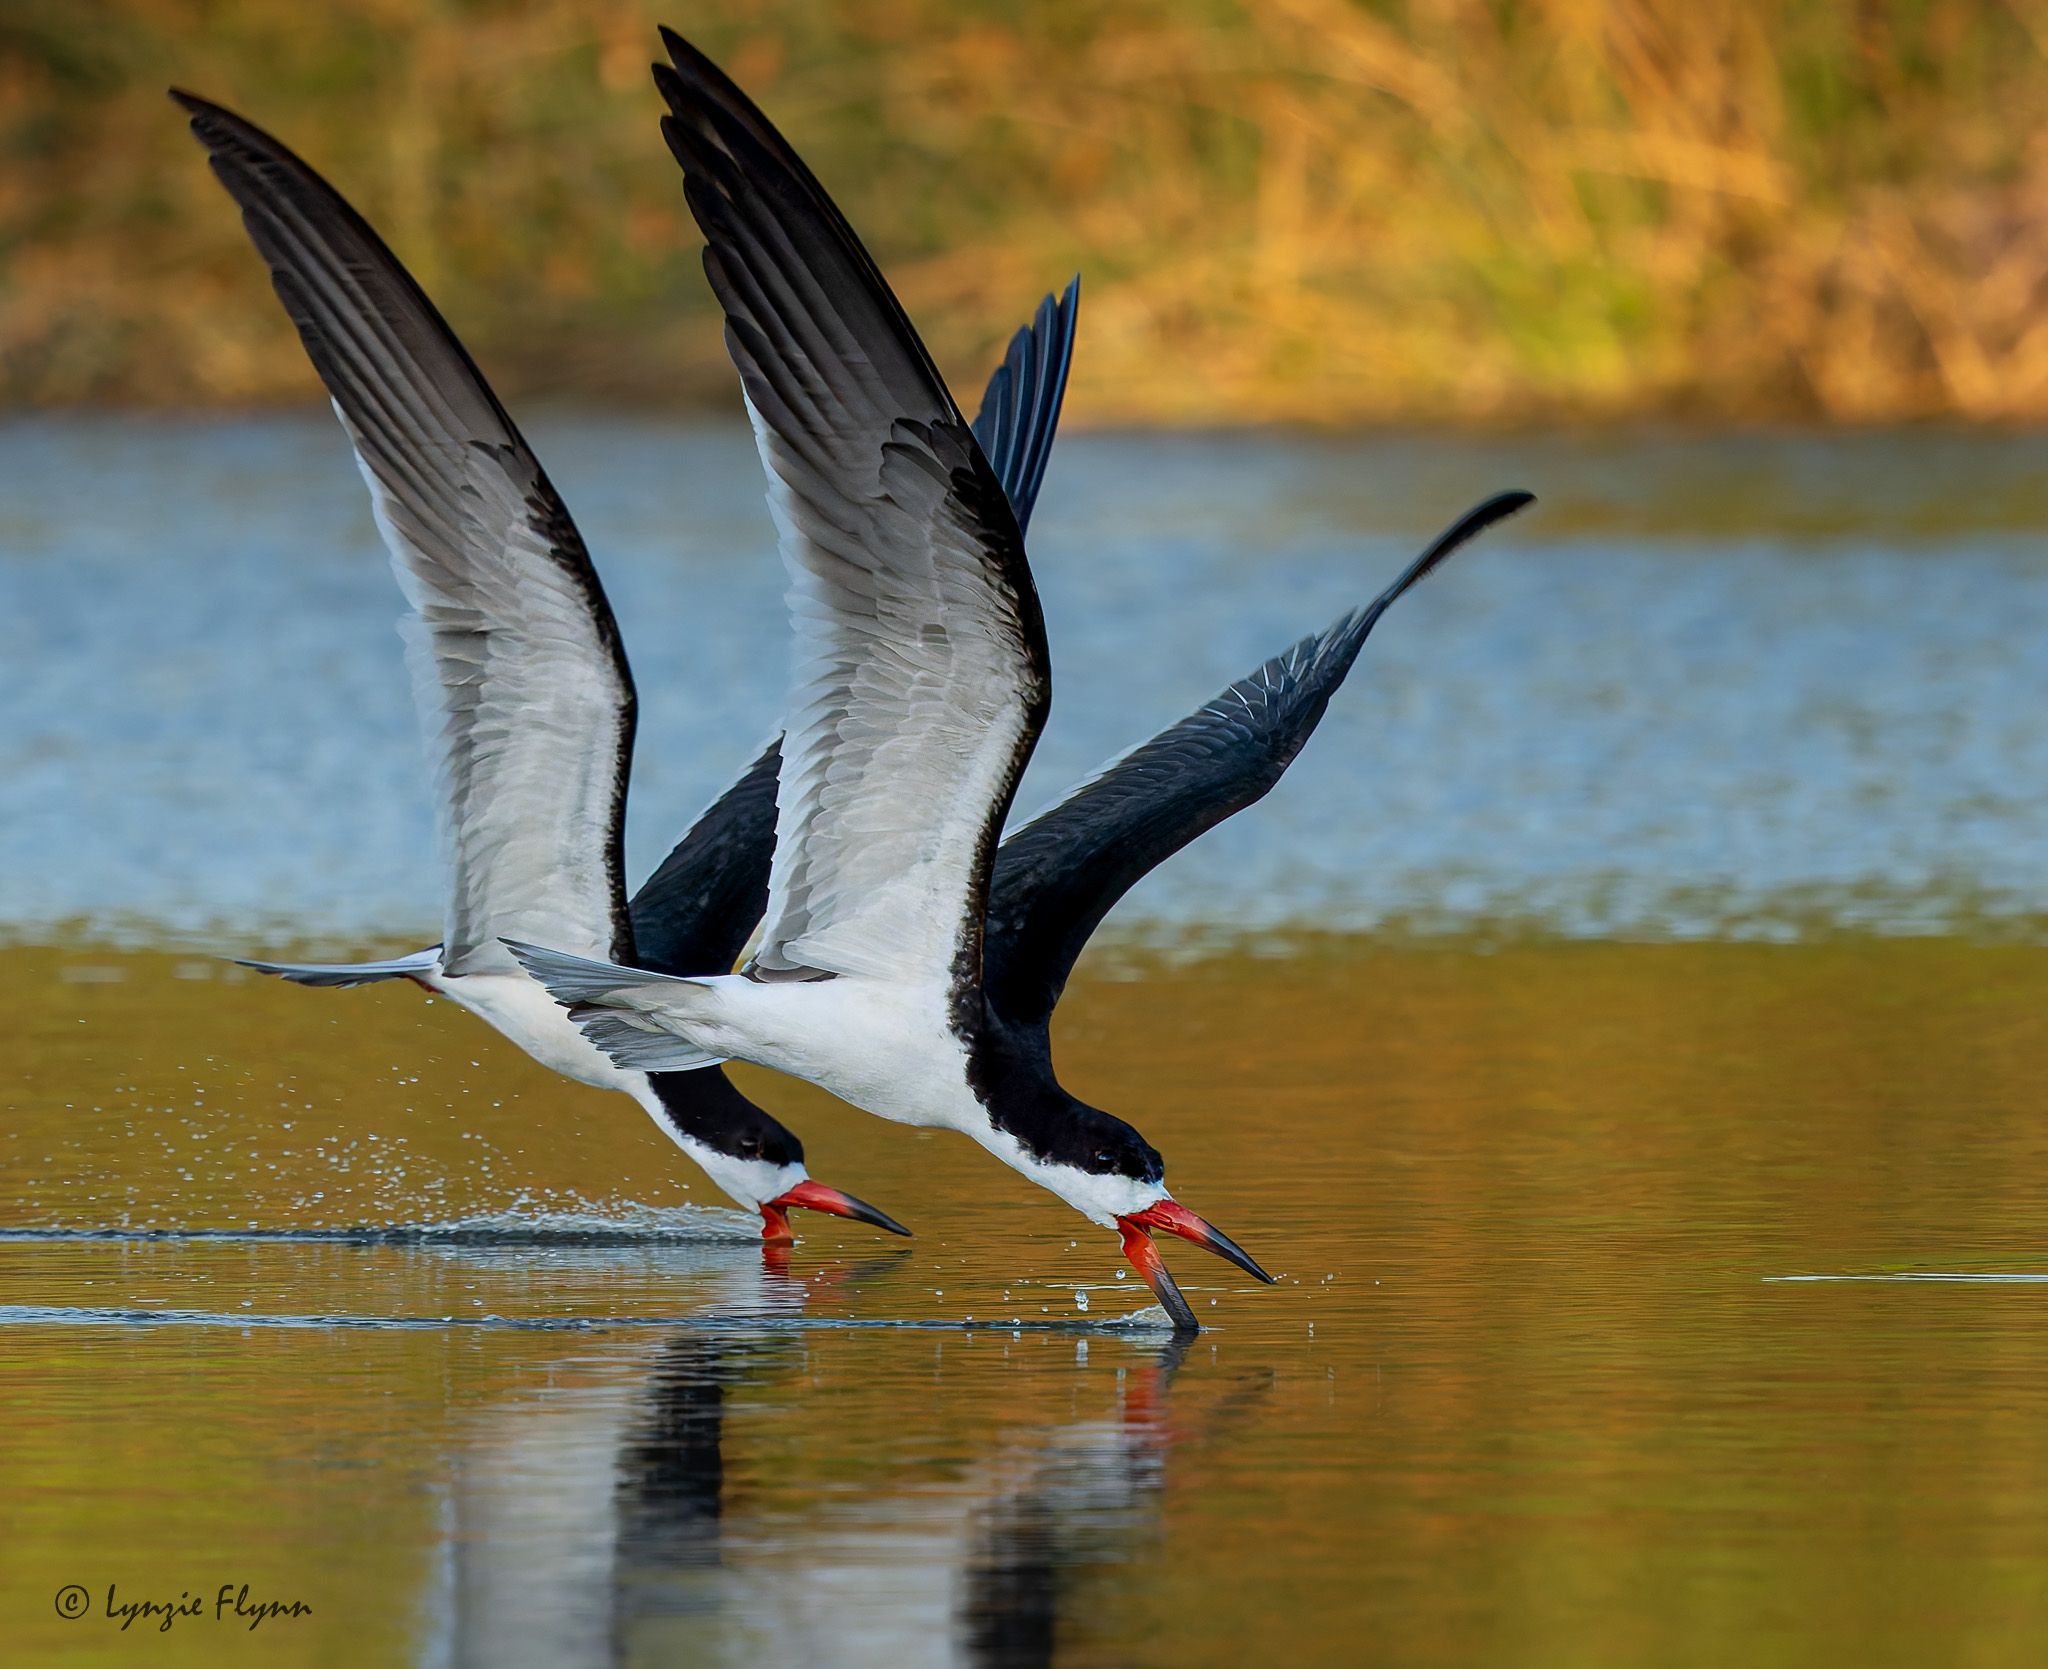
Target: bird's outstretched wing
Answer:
[[694, 913], [1059, 875], [341, 975], [921, 676], [520, 681]]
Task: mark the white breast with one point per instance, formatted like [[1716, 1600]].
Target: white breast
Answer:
[[882, 1045], [514, 1005]]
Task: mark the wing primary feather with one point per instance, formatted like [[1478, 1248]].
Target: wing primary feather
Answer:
[[638, 1048], [341, 974], [1054, 366], [1020, 412], [1348, 636], [1059, 875]]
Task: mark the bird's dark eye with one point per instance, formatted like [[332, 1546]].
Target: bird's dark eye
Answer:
[[1103, 1157]]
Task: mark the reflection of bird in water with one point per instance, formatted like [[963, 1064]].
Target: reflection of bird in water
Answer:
[[532, 1523], [1081, 1506], [1088, 1498], [520, 674], [624, 1511], [671, 1466], [672, 1470], [980, 1570]]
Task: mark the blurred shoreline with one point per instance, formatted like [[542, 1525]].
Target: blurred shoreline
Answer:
[[1303, 212]]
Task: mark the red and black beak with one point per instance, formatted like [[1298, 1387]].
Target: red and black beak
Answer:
[[1136, 1230], [815, 1196]]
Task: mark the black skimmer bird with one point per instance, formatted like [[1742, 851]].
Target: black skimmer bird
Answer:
[[903, 966], [521, 678]]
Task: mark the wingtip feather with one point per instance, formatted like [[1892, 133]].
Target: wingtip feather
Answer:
[[216, 126], [1475, 521], [689, 66]]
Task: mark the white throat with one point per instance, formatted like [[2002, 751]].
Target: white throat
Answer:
[[1101, 1198], [750, 1182]]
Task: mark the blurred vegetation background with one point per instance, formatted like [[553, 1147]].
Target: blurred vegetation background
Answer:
[[1320, 210]]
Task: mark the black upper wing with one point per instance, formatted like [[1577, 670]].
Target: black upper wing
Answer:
[[1021, 410], [693, 914], [1058, 876]]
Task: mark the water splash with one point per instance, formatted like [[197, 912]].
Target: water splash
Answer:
[[67, 1315], [686, 1225]]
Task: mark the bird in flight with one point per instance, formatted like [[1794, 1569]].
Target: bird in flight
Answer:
[[904, 964], [520, 674]]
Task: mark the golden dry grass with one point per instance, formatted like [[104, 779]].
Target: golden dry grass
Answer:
[[1289, 210]]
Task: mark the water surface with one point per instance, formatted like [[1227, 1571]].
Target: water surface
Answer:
[[1527, 1391], [1650, 929], [1706, 688]]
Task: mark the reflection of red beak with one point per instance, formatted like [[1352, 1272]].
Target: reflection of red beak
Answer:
[[1144, 1256], [815, 1196]]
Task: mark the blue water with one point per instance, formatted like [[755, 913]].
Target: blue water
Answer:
[[1706, 687], [1638, 1303]]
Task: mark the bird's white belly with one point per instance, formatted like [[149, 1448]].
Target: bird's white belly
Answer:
[[518, 1008], [884, 1047]]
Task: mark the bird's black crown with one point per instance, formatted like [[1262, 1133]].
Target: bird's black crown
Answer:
[[1103, 1145], [1010, 1071]]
